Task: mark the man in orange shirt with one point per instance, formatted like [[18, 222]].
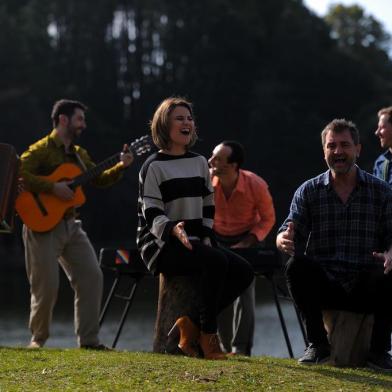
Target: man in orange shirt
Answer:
[[244, 215]]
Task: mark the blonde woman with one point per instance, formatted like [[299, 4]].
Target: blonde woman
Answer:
[[175, 237]]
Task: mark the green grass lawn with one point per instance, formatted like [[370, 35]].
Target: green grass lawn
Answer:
[[82, 370]]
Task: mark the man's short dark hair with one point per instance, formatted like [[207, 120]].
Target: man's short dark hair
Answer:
[[237, 152], [339, 126], [66, 107]]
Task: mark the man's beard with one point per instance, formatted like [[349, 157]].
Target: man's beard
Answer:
[[73, 133], [342, 170]]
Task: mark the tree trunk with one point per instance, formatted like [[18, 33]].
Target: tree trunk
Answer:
[[349, 335], [178, 296]]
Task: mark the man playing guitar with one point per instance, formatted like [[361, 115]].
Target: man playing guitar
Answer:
[[66, 243]]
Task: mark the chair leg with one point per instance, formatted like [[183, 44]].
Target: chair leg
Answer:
[[128, 300], [108, 300], [301, 325], [288, 297], [299, 318], [281, 318]]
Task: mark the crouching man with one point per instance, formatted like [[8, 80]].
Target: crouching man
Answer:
[[339, 236]]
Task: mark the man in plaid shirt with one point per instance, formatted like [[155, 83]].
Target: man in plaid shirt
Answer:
[[339, 236]]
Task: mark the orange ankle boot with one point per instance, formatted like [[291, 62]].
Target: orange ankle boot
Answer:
[[189, 335], [210, 345]]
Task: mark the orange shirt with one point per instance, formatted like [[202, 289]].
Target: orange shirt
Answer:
[[249, 208]]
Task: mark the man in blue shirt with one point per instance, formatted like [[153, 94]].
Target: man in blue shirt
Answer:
[[339, 236], [382, 166]]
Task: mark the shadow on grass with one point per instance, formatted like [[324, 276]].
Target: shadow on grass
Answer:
[[342, 374], [241, 358]]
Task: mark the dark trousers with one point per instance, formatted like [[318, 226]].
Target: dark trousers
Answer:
[[223, 275], [314, 291]]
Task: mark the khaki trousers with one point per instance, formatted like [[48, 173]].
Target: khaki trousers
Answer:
[[68, 245]]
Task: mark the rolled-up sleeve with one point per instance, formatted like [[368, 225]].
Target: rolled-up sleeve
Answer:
[[299, 215], [266, 210]]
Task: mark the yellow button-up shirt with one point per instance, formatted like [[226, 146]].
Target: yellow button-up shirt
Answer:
[[47, 154]]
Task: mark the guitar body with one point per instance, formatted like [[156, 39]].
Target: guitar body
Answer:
[[42, 212]]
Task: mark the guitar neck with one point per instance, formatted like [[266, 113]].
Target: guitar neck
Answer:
[[94, 172], [137, 147]]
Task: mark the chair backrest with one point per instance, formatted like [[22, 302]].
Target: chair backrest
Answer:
[[9, 169], [123, 261]]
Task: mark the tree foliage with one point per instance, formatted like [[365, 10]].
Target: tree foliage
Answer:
[[268, 73], [363, 38], [354, 28]]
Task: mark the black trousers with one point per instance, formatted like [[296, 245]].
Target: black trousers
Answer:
[[223, 275], [313, 291]]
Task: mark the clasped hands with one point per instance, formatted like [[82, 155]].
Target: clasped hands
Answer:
[[247, 242], [179, 232], [285, 243]]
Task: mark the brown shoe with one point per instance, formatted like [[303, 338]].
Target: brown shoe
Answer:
[[189, 335], [210, 346]]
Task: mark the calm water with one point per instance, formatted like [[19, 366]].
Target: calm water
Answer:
[[138, 330]]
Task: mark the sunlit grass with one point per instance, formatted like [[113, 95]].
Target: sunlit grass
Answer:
[[81, 370]]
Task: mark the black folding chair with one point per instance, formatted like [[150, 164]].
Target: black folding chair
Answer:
[[127, 265], [267, 263], [281, 292]]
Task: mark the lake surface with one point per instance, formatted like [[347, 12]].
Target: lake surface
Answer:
[[138, 330]]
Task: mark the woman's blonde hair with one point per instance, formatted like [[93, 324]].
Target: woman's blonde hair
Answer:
[[160, 123]]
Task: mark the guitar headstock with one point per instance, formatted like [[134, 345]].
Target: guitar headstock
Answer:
[[141, 146]]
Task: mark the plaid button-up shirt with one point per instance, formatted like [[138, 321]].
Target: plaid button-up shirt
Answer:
[[342, 237]]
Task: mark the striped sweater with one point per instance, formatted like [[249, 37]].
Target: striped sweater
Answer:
[[173, 189]]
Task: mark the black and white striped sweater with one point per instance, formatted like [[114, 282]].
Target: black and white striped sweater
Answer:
[[173, 189]]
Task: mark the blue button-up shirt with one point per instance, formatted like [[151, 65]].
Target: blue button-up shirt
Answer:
[[342, 237], [383, 167]]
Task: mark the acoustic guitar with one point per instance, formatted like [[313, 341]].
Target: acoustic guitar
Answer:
[[43, 211]]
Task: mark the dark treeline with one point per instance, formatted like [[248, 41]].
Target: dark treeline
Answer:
[[268, 73]]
